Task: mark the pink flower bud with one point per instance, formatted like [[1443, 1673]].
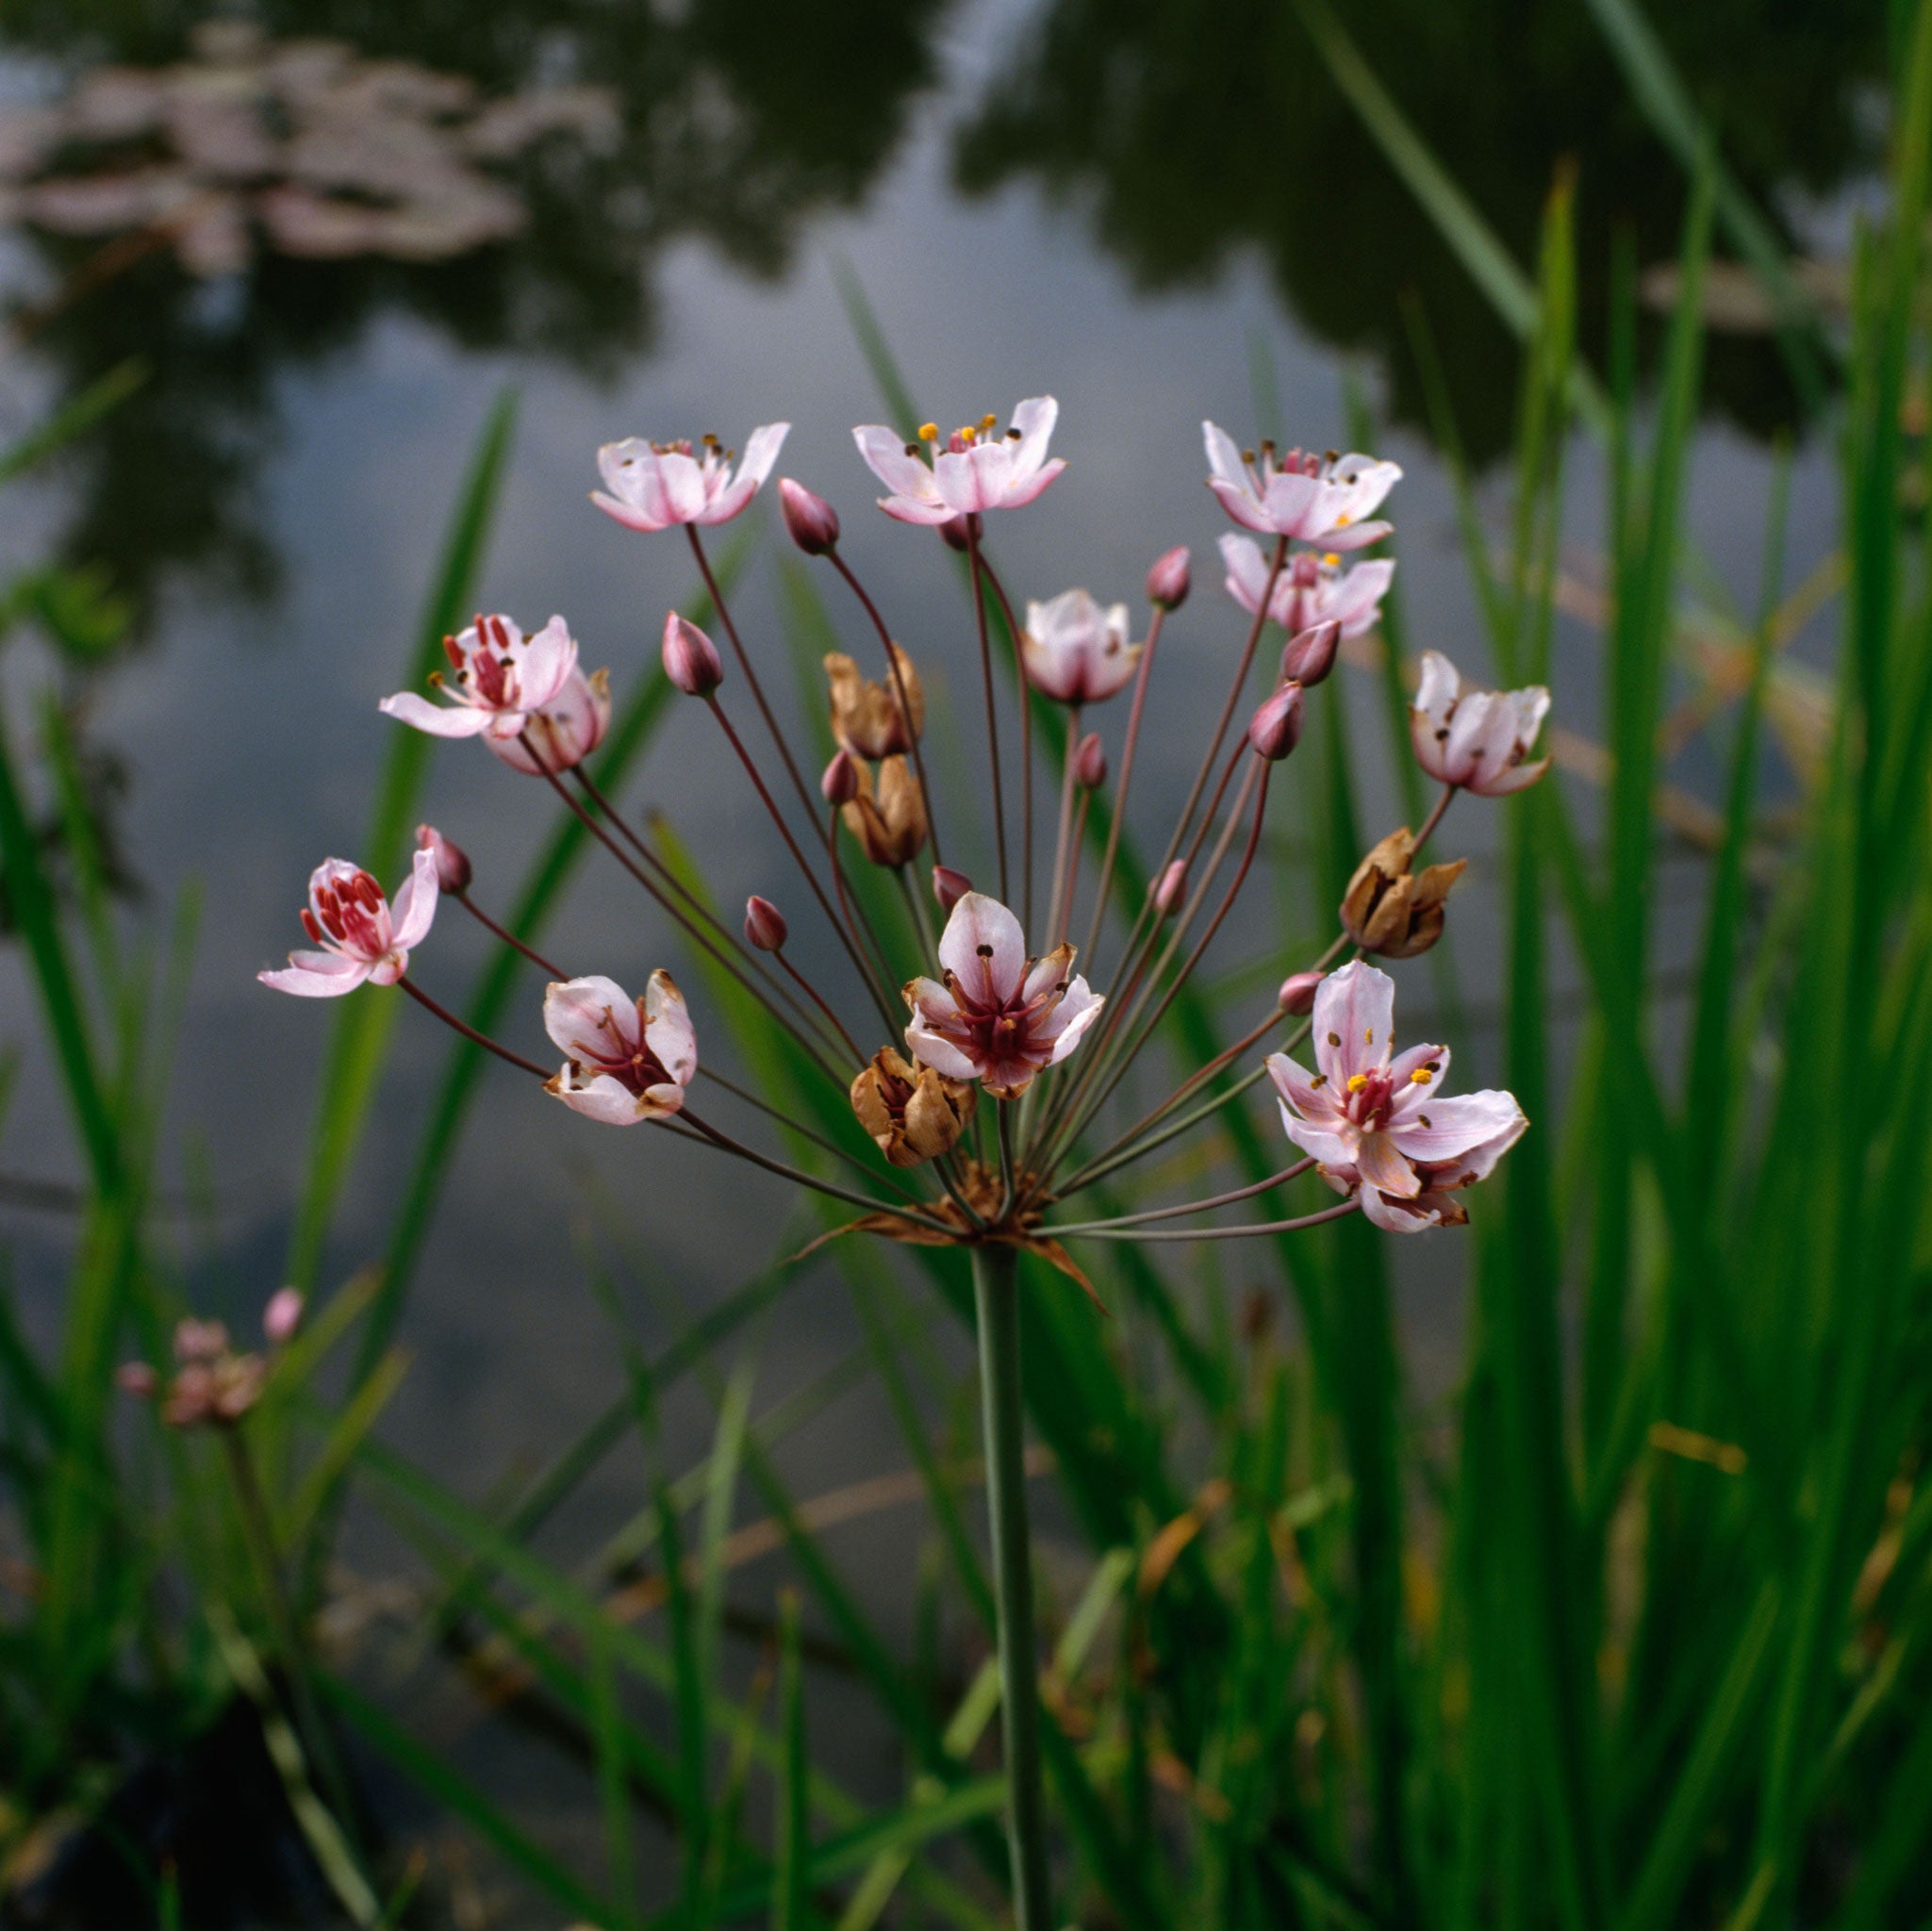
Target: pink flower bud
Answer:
[[1274, 729], [1310, 655], [1297, 991], [283, 1315], [1168, 892], [137, 1379], [1167, 581], [840, 783], [690, 658], [765, 926], [452, 868], [955, 531], [1090, 762], [950, 886], [812, 520]]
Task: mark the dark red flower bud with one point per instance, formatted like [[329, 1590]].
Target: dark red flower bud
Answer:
[[765, 926], [840, 783], [1274, 729], [690, 658], [1090, 762], [1310, 654], [812, 520], [954, 532], [1168, 578], [452, 868], [1297, 991], [950, 886]]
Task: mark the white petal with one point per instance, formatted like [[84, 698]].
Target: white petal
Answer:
[[440, 720], [983, 948], [885, 456], [667, 1029], [602, 1099], [317, 975], [1354, 1021], [1034, 420], [932, 1050], [579, 1013], [761, 451], [415, 904]]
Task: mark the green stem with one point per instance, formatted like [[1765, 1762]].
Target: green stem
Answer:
[[996, 1293]]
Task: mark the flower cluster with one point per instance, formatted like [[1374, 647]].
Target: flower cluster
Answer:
[[994, 1003], [212, 1385]]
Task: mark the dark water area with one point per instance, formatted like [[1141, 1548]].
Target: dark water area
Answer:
[[1156, 212]]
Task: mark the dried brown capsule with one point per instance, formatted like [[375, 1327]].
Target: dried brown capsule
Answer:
[[1391, 910], [915, 1114]]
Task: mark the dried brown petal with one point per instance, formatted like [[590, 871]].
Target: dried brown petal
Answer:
[[1390, 909], [867, 716]]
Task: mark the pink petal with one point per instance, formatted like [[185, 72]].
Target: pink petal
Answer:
[[1354, 1021], [630, 518], [317, 975], [415, 905], [1382, 1165], [761, 451], [1034, 420], [933, 1049], [917, 509], [1514, 778], [885, 456], [1392, 1219], [1224, 456], [727, 502], [579, 1014], [1315, 1104], [1358, 594], [605, 1099], [1287, 501], [1018, 494], [667, 1029], [1355, 537], [972, 479], [931, 1000], [1438, 688], [983, 948], [1459, 1126], [547, 660], [1331, 1149], [1240, 504], [1410, 1096], [1362, 495], [1248, 571], [440, 720], [1072, 1017]]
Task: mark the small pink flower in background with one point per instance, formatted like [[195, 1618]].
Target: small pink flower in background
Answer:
[[1478, 739], [1309, 589], [360, 936], [1168, 578], [1377, 1121], [652, 485], [1305, 497], [502, 678], [212, 1382], [975, 472], [1076, 651], [627, 1059], [283, 1315], [999, 1016]]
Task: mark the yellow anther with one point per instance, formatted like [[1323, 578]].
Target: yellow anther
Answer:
[[967, 433], [1332, 558], [989, 421], [1343, 521], [1421, 1075], [1357, 1082], [928, 432]]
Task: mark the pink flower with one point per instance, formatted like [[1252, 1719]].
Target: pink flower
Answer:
[[1299, 496], [1375, 1121], [628, 1060], [1075, 650], [1477, 739], [503, 677], [361, 938], [999, 1016], [655, 485], [565, 732], [974, 472], [1309, 589]]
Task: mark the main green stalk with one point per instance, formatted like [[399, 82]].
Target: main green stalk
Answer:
[[996, 1294]]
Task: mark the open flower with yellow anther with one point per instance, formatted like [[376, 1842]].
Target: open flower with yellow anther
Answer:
[[973, 469], [652, 485], [1310, 588], [1375, 1121], [1318, 500]]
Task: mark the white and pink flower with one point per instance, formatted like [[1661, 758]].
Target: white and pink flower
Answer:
[[1477, 739], [1377, 1122], [361, 937], [1310, 588], [654, 485], [972, 472], [626, 1060], [998, 1017], [1310, 499], [502, 678], [1075, 650]]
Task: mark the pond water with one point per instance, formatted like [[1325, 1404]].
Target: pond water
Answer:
[[1135, 207]]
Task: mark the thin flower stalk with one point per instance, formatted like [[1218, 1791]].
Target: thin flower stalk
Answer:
[[1184, 1208], [1063, 838], [974, 571], [1104, 880]]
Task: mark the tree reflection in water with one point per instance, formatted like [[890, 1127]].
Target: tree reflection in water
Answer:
[[1193, 130], [736, 122]]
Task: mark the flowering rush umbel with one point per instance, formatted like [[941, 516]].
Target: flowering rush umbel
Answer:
[[969, 989], [974, 974]]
